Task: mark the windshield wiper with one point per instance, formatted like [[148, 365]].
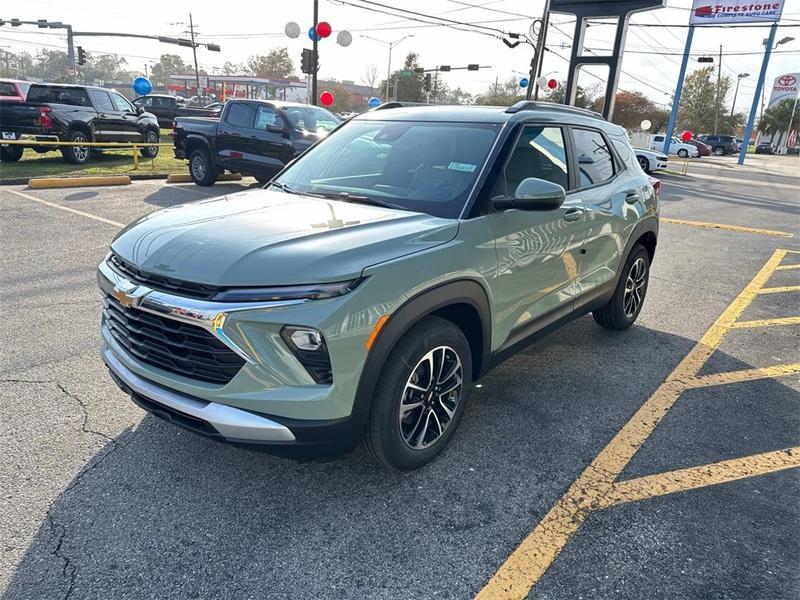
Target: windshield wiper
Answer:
[[348, 197], [289, 190]]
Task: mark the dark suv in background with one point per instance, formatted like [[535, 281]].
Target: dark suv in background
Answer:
[[720, 144]]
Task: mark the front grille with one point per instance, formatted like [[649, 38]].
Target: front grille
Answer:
[[162, 283], [176, 347]]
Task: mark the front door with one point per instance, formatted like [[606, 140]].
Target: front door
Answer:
[[127, 119], [268, 147], [537, 251], [104, 126]]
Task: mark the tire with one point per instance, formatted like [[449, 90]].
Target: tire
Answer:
[[150, 137], [11, 154], [683, 153], [619, 313], [77, 155], [42, 149], [644, 163], [200, 168], [719, 151], [413, 439]]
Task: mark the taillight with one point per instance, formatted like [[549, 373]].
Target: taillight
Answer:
[[44, 118], [656, 183]]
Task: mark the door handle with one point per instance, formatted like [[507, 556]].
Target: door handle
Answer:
[[631, 196], [573, 214]]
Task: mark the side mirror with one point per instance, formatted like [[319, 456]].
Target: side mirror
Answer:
[[533, 194], [275, 129], [139, 109]]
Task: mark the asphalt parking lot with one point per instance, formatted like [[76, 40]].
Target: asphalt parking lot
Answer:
[[656, 463]]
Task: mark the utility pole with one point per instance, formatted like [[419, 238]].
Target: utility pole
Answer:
[[716, 98], [316, 56], [194, 52], [539, 55]]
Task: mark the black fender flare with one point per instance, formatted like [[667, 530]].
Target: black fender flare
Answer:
[[193, 139], [462, 291]]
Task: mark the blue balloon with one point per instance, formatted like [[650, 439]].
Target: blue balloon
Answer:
[[312, 34], [374, 102], [523, 83], [142, 86]]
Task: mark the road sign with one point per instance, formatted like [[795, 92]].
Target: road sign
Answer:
[[406, 73], [71, 71]]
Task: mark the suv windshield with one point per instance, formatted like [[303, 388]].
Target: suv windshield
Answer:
[[419, 166]]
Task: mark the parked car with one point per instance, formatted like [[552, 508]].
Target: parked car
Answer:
[[252, 137], [765, 148], [13, 90], [75, 113], [720, 144], [676, 147], [166, 107], [702, 149], [361, 293], [649, 160]]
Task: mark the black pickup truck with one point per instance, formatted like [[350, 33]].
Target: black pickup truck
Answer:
[[74, 113], [166, 107], [252, 137]]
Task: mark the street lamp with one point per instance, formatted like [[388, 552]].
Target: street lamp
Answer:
[[739, 78], [784, 40], [391, 45]]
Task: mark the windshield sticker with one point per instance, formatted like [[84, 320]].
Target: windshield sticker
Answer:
[[465, 167]]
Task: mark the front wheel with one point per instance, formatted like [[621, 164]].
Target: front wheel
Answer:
[[420, 396], [201, 169], [683, 153], [77, 155], [644, 163], [719, 151], [626, 303], [11, 153], [151, 137]]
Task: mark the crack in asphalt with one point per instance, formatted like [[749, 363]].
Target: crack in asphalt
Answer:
[[58, 531]]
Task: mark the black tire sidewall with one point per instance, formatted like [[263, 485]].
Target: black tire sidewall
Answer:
[[646, 166], [11, 153], [386, 438]]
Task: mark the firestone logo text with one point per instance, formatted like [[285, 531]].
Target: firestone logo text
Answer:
[[738, 10]]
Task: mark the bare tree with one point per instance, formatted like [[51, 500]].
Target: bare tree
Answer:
[[370, 75]]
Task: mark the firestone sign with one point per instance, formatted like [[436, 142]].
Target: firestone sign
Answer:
[[785, 86], [719, 12]]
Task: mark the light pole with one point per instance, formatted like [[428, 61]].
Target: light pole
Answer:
[[391, 45], [739, 78]]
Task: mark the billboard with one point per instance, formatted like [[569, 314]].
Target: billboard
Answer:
[[785, 86], [720, 12]]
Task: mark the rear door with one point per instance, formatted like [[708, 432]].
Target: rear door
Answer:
[[233, 135], [612, 195], [268, 147]]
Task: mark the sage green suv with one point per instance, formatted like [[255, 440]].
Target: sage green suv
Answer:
[[359, 294]]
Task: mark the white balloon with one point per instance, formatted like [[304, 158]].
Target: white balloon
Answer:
[[344, 38], [645, 125], [542, 82], [292, 29]]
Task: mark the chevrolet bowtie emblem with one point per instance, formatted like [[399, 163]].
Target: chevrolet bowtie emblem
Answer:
[[128, 297]]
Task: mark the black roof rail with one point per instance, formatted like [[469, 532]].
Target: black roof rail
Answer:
[[531, 105]]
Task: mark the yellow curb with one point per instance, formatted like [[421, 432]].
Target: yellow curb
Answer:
[[59, 182], [175, 178]]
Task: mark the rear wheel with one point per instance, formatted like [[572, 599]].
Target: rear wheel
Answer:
[[683, 153], [201, 169], [644, 163], [420, 397], [11, 153], [77, 155], [151, 137], [626, 303], [719, 150]]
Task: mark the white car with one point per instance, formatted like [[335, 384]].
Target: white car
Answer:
[[675, 147], [650, 160]]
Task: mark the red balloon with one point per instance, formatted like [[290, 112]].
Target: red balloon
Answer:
[[326, 98], [324, 29], [552, 84], [686, 136]]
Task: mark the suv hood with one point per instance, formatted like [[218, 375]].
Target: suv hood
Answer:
[[269, 237]]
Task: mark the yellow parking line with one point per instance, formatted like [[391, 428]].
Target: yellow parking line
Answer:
[[693, 478], [778, 290], [704, 225], [767, 322], [787, 267], [743, 375], [525, 566], [66, 208]]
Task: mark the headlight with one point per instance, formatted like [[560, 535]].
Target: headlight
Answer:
[[308, 346], [287, 292]]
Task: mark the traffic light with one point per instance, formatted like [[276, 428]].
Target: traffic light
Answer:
[[213, 47], [427, 82], [81, 56], [705, 59], [473, 67], [308, 61], [444, 68]]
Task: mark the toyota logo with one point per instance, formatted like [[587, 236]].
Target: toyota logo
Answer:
[[787, 80]]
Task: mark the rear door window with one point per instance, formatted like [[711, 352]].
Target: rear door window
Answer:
[[240, 115], [594, 158], [101, 101]]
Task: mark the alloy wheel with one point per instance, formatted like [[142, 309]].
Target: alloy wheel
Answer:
[[634, 287], [199, 167], [152, 138], [81, 152], [430, 397]]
